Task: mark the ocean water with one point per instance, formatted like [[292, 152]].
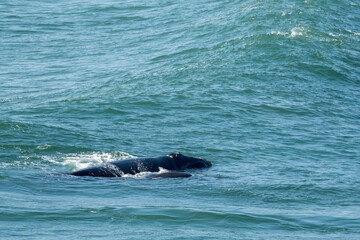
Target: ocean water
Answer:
[[268, 91]]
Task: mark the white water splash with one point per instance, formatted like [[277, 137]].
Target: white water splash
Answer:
[[143, 175], [278, 33], [82, 160], [297, 31], [355, 33], [294, 32]]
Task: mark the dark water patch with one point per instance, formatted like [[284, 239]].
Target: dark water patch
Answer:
[[13, 17], [185, 53], [281, 110], [115, 9]]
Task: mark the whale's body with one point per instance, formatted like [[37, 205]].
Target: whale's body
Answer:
[[172, 162]]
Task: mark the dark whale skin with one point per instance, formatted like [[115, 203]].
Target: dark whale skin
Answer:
[[173, 162]]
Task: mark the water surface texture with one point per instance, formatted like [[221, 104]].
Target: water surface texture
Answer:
[[268, 91]]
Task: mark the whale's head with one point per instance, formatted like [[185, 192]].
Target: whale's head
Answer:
[[185, 162]]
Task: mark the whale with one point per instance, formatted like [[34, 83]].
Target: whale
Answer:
[[176, 163]]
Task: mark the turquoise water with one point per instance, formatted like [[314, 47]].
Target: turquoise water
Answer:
[[268, 91]]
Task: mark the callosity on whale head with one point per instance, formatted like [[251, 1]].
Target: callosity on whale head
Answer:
[[190, 162]]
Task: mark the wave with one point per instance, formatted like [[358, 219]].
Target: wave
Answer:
[[167, 215]]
